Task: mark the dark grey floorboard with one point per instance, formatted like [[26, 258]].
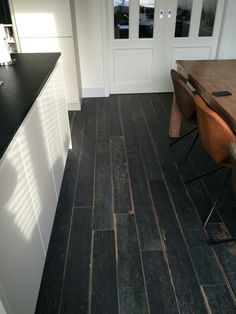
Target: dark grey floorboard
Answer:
[[156, 260], [120, 176], [159, 289], [56, 256], [49, 297], [103, 124], [201, 254], [131, 141], [76, 281], [114, 116], [219, 299], [226, 253], [149, 157], [143, 206], [157, 124], [84, 191], [104, 298], [103, 206], [178, 256], [132, 294]]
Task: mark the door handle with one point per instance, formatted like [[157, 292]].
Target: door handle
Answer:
[[169, 14], [161, 14]]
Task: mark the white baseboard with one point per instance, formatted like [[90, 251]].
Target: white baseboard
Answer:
[[73, 107], [94, 92]]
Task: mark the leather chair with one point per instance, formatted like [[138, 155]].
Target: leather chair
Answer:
[[185, 100], [220, 142]]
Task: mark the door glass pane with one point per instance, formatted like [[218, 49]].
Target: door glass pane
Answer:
[[183, 17], [207, 17], [121, 18], [146, 18]]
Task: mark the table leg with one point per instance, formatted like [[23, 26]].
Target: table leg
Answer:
[[175, 120]]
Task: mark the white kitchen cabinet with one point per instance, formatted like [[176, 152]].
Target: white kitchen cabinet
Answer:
[[33, 142], [31, 172], [48, 107], [22, 254], [61, 110], [46, 26]]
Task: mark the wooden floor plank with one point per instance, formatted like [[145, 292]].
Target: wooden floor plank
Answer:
[[103, 123], [56, 255], [143, 206], [131, 141], [103, 205], [132, 294], [104, 297], [76, 281], [84, 191], [226, 253], [183, 274], [219, 299], [148, 154], [157, 124], [202, 255], [120, 177], [114, 116], [159, 289], [49, 297], [144, 276]]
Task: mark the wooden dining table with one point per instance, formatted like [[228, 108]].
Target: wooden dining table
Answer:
[[207, 76]]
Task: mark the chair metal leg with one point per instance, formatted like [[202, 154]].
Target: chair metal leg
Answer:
[[217, 198], [213, 242], [183, 136], [187, 154], [203, 175]]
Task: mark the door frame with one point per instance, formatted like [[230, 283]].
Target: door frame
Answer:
[[176, 43]]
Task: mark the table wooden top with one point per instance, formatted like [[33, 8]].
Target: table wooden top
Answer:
[[207, 76]]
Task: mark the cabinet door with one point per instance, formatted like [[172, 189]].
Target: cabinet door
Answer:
[[48, 112], [33, 144], [62, 109], [22, 255]]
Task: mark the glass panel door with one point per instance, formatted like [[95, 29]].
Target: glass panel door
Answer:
[[207, 17], [146, 18], [121, 19], [183, 17]]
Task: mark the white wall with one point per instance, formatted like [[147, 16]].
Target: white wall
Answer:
[[76, 45], [227, 42], [89, 31]]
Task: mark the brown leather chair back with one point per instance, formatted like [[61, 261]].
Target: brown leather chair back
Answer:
[[232, 153], [184, 97], [215, 134]]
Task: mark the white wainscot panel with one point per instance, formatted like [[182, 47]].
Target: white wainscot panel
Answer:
[[190, 53], [132, 66]]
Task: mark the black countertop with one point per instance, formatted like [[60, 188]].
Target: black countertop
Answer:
[[23, 82]]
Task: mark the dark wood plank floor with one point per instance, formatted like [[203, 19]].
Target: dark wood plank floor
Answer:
[[127, 236]]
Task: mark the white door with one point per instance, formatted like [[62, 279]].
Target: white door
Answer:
[[146, 37]]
